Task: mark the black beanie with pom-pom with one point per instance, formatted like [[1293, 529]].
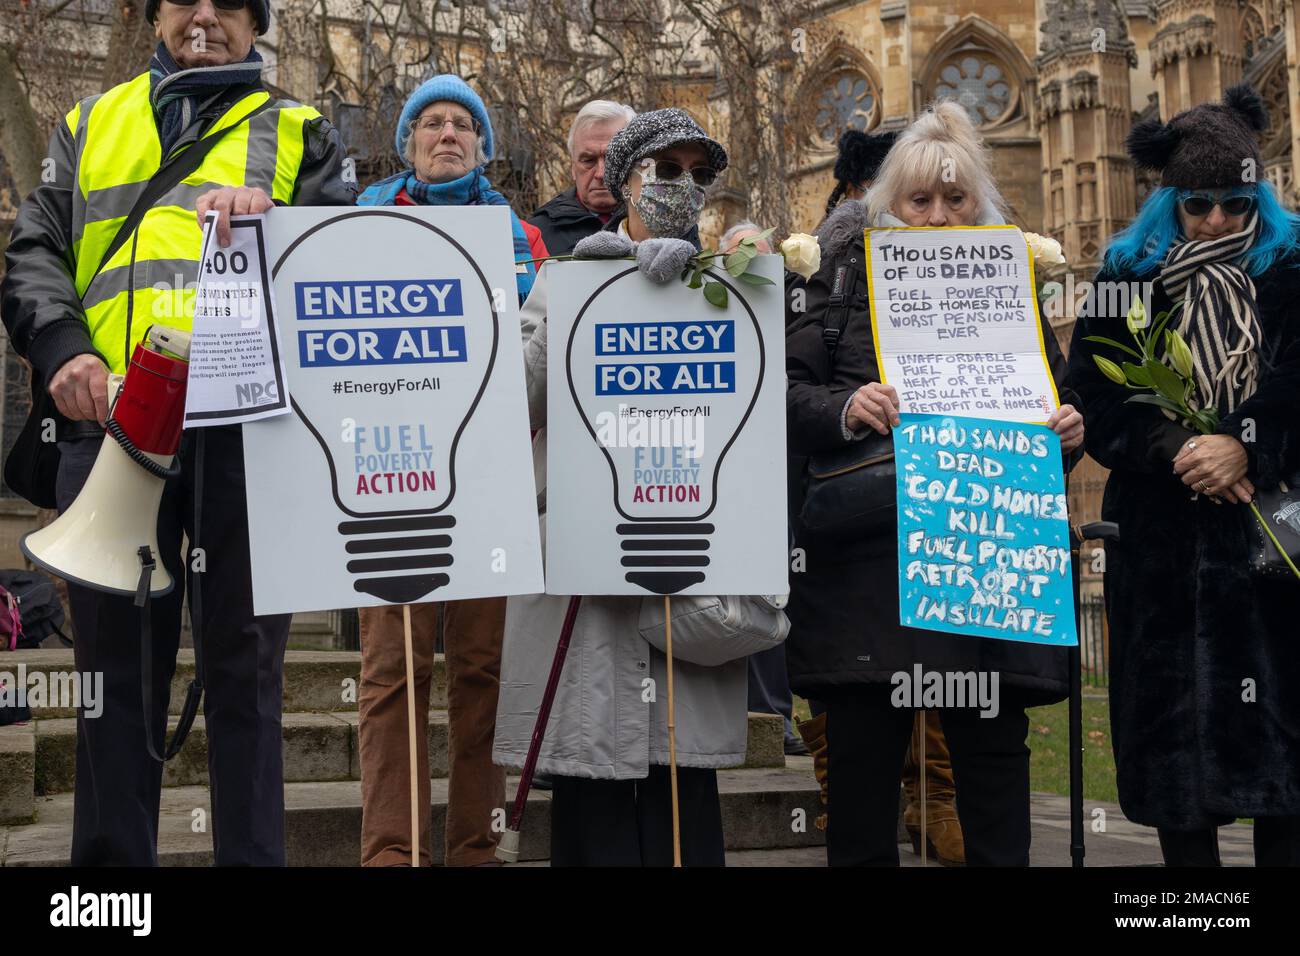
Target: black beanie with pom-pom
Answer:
[[1207, 146]]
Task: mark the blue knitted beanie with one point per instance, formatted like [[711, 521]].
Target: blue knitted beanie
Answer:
[[446, 86]]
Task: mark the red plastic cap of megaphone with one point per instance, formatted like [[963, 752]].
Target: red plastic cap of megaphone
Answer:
[[151, 406]]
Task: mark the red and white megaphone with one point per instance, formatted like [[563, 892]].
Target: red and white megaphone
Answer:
[[99, 541]]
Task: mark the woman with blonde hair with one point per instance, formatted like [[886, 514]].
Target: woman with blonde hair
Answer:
[[846, 642]]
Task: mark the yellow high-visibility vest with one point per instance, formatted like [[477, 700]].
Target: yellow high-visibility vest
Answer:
[[150, 278]]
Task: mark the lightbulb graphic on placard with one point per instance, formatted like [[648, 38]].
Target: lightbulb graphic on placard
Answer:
[[436, 329], [664, 401]]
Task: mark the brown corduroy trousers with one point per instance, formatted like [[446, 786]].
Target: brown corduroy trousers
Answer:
[[472, 633]]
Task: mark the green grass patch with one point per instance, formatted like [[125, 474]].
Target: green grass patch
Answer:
[[1049, 749]]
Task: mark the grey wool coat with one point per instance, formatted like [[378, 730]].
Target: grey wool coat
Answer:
[[603, 724]]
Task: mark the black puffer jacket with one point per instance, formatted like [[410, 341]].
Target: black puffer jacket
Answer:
[[844, 606], [564, 221]]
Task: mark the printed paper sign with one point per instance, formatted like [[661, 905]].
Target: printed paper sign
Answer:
[[665, 434], [956, 324], [983, 529], [405, 473], [236, 369]]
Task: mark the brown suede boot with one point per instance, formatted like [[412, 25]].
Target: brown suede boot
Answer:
[[942, 830], [813, 732]]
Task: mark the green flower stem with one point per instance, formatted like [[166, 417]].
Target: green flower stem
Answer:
[[560, 259], [700, 256]]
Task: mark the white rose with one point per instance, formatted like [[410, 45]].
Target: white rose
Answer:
[[1046, 250], [803, 254]]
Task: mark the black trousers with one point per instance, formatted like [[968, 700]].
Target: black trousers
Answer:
[[867, 739], [115, 806], [769, 686], [629, 822], [1276, 839]]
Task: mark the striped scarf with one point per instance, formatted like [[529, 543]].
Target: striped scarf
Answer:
[[1220, 318]]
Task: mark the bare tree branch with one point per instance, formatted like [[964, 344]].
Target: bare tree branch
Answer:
[[21, 142]]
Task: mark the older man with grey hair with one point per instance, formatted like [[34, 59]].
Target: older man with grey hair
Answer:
[[586, 206]]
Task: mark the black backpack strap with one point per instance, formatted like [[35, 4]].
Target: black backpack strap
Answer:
[[169, 175], [839, 304]]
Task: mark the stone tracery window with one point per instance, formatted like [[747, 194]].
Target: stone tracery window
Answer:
[[981, 83], [848, 101], [1252, 30]]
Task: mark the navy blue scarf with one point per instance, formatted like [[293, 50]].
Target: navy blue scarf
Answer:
[[179, 95]]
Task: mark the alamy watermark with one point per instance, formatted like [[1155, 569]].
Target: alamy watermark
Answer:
[[1084, 299], [633, 426], [69, 690], [920, 689]]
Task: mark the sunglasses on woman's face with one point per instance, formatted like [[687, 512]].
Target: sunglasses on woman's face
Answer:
[[666, 171], [219, 4], [1200, 204]]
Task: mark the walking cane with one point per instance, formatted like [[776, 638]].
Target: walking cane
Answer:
[[1076, 713], [920, 763], [508, 848], [410, 736], [672, 732], [1103, 531]]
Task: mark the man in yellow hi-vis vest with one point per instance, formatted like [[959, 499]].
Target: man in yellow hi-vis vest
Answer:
[[75, 311]]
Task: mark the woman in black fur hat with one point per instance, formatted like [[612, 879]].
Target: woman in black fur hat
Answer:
[[860, 155], [1205, 714]]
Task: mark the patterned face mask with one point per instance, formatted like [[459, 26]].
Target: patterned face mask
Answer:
[[668, 209]]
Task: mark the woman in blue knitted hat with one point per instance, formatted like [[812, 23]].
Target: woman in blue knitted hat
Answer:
[[445, 136]]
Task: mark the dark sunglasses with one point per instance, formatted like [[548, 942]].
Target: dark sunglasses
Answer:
[[1200, 204], [668, 171], [219, 4]]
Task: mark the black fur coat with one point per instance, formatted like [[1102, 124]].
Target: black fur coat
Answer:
[[1204, 658]]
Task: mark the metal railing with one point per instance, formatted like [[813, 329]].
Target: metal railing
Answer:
[[1094, 641]]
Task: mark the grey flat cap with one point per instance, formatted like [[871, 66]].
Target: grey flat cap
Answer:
[[648, 133]]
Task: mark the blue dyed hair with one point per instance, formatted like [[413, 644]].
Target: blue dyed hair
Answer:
[[1142, 245]]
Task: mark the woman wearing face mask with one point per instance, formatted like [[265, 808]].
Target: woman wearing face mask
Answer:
[[606, 748], [1204, 655], [846, 643]]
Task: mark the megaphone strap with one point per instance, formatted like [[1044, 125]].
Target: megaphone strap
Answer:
[[193, 693]]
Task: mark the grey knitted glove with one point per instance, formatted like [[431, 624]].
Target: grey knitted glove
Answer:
[[662, 260], [604, 245]]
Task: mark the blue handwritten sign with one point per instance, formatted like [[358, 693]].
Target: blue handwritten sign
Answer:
[[983, 529]]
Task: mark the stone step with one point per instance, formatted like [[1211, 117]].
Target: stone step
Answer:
[[313, 630], [318, 748], [17, 773], [321, 681], [323, 821]]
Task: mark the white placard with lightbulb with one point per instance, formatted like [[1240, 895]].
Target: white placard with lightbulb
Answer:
[[666, 461], [404, 474]]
